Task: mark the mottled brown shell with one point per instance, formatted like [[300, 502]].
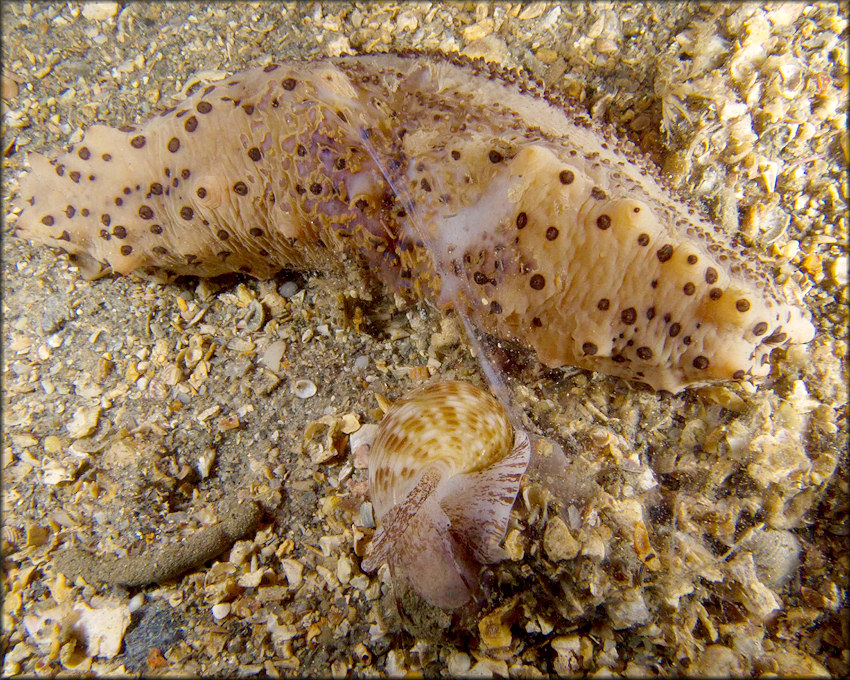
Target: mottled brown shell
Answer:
[[453, 426]]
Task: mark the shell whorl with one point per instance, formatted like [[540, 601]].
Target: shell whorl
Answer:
[[453, 426], [444, 472]]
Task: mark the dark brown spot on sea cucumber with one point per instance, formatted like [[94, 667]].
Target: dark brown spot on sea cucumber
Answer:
[[156, 188], [742, 305], [603, 304], [84, 212], [664, 253], [692, 259], [495, 156], [603, 222], [60, 169], [536, 322], [105, 235], [689, 288], [643, 240], [537, 282], [75, 176], [566, 176], [644, 353], [202, 193], [340, 164], [248, 108], [105, 220], [760, 328], [254, 154], [84, 153], [159, 250], [316, 188], [119, 232], [495, 308], [589, 348], [521, 220], [455, 154], [126, 250], [204, 107], [628, 316], [675, 328], [288, 84], [597, 194], [138, 141], [650, 313], [301, 150], [269, 68], [69, 211], [551, 233], [64, 236], [173, 144], [191, 124], [775, 338], [701, 362], [106, 157], [425, 184], [241, 188], [479, 278], [255, 231], [186, 212], [47, 220], [738, 375], [145, 212], [715, 294], [711, 275]]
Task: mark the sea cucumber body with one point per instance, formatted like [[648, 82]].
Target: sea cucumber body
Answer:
[[454, 181]]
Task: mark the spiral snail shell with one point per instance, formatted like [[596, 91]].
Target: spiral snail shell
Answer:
[[444, 471]]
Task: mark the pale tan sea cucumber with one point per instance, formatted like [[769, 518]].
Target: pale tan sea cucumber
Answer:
[[458, 181]]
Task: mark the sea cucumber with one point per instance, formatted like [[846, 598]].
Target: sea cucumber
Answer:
[[456, 181]]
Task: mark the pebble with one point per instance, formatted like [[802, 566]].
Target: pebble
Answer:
[[288, 289], [221, 611], [100, 11]]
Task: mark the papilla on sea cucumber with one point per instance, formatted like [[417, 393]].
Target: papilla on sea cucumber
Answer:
[[455, 181]]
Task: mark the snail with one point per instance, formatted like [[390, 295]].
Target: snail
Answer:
[[444, 470]]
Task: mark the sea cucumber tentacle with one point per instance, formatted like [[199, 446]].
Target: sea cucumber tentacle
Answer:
[[455, 181]]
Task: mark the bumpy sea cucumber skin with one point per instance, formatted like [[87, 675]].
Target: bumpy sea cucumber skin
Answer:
[[454, 180]]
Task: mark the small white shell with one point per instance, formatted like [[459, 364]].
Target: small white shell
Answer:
[[303, 388]]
